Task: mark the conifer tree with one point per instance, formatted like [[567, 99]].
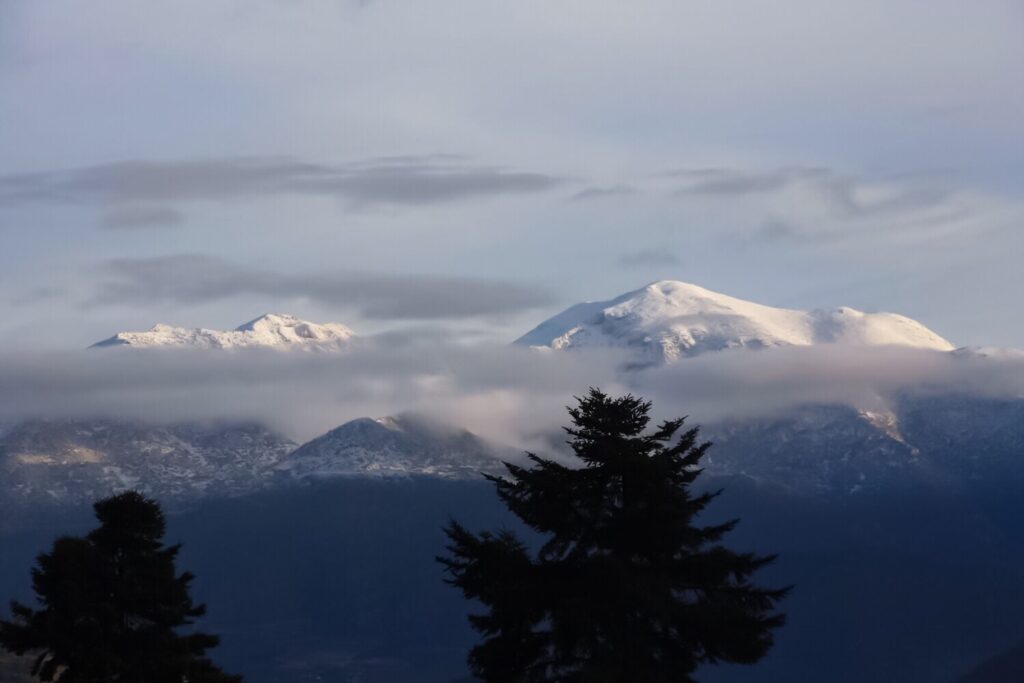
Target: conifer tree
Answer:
[[111, 605], [625, 586]]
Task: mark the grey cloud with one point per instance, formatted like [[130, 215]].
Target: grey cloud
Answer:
[[649, 257], [601, 192], [723, 181], [142, 217], [778, 231], [397, 180], [493, 390], [195, 278], [740, 384], [846, 195], [40, 294]]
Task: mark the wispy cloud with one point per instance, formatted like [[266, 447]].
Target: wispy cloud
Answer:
[[397, 180], [821, 203], [142, 217], [603, 191], [195, 278], [846, 194], [644, 258]]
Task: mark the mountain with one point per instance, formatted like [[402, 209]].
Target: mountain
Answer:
[[271, 330], [923, 443], [71, 462], [831, 450], [669, 320], [395, 446]]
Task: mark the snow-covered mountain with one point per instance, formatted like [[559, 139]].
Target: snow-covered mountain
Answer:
[[74, 462], [923, 443], [669, 320], [77, 461], [280, 331], [395, 446]]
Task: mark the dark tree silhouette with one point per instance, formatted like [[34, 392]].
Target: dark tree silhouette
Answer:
[[111, 605], [625, 587]]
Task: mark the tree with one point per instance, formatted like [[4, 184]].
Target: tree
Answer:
[[624, 586], [111, 604]]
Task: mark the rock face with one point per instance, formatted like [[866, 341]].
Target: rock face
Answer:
[[669, 320], [75, 462], [818, 450], [394, 446], [78, 461], [945, 443], [278, 331], [936, 443]]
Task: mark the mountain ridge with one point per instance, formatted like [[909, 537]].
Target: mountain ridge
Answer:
[[669, 320], [400, 445], [271, 330]]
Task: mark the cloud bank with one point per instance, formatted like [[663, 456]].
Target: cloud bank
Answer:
[[511, 395]]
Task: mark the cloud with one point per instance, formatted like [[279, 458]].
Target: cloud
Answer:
[[495, 390], [142, 217], [506, 393], [40, 294], [722, 181], [602, 192], [846, 194], [194, 278], [802, 203], [645, 258], [395, 180]]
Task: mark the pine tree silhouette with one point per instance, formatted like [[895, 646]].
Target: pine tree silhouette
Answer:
[[111, 605], [625, 587]]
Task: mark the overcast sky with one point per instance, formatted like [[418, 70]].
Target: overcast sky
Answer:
[[479, 166]]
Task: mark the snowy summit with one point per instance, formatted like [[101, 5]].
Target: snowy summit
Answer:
[[402, 445], [271, 330], [668, 320]]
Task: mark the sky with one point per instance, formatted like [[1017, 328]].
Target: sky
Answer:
[[470, 168]]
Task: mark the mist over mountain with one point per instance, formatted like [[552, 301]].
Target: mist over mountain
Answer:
[[824, 424], [402, 445], [832, 403]]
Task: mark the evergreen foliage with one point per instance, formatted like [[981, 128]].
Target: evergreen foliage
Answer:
[[111, 604], [624, 587]]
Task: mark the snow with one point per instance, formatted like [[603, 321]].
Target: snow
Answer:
[[273, 330], [400, 445], [668, 320]]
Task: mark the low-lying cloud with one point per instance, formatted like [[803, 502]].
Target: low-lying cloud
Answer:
[[190, 279], [509, 394]]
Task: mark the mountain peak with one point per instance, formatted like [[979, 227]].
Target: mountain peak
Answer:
[[400, 445], [668, 319], [275, 330], [269, 321]]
